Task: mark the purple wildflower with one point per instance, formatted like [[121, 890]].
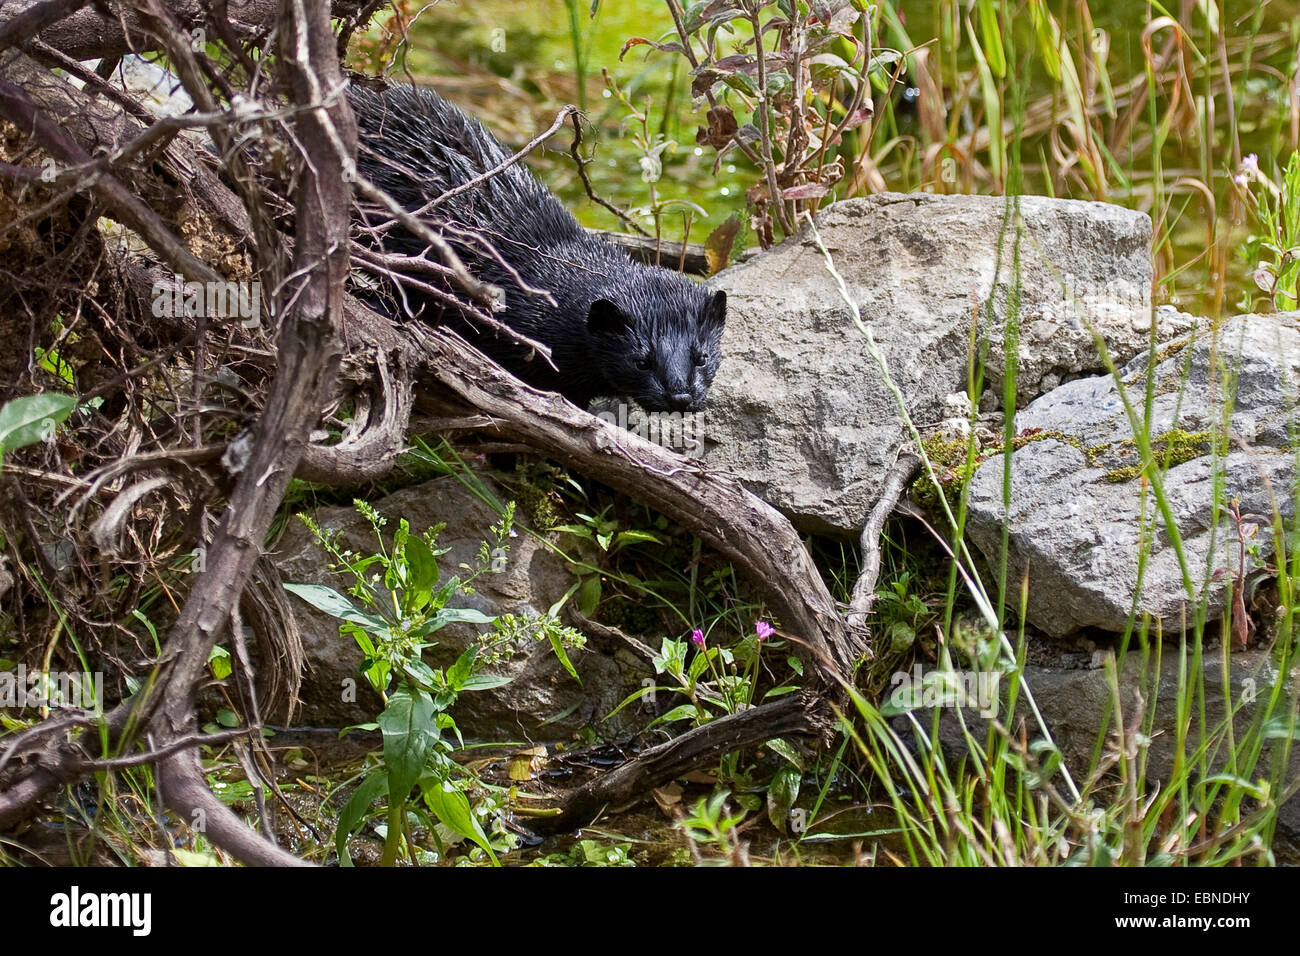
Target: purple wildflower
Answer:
[[697, 637], [763, 630]]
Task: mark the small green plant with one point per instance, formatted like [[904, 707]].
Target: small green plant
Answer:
[[718, 680], [397, 603], [714, 825], [787, 85], [1275, 251], [604, 531], [589, 853], [902, 613], [651, 147]]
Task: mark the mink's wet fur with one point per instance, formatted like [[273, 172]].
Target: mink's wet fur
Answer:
[[619, 328]]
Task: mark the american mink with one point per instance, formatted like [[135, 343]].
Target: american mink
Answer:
[[619, 328]]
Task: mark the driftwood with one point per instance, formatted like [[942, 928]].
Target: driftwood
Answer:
[[329, 347], [794, 715], [307, 359], [689, 257], [84, 30]]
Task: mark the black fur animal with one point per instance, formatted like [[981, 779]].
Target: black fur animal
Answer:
[[620, 328]]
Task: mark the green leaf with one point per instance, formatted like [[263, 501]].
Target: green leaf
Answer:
[[671, 658], [781, 795], [420, 673], [148, 624], [783, 749], [1048, 37], [32, 418], [634, 537], [1257, 791], [219, 662], [554, 610], [993, 105], [557, 645], [699, 662], [53, 363], [356, 811], [680, 712], [1048, 757], [446, 722], [459, 672], [901, 636], [581, 530], [377, 672], [452, 615], [370, 725], [1280, 728], [191, 858], [637, 695], [589, 594], [409, 729], [452, 808], [422, 575], [485, 681], [991, 34], [326, 599]]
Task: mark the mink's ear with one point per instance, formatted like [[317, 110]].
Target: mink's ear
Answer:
[[605, 316], [715, 313]]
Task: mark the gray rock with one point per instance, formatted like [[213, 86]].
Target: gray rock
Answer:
[[799, 410], [1076, 704], [533, 579], [1075, 524]]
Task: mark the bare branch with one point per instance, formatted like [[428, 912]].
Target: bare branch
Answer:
[[891, 491], [17, 107]]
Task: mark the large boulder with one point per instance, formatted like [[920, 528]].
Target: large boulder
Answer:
[[800, 411], [1223, 410], [532, 579]]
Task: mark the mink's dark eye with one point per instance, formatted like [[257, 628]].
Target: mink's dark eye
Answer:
[[645, 363], [701, 358]]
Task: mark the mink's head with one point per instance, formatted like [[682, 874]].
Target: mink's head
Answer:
[[659, 339]]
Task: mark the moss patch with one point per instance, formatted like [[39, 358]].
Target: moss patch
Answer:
[[954, 465], [1174, 447]]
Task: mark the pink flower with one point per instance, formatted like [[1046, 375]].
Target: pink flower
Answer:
[[1249, 171], [763, 630], [697, 637]]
